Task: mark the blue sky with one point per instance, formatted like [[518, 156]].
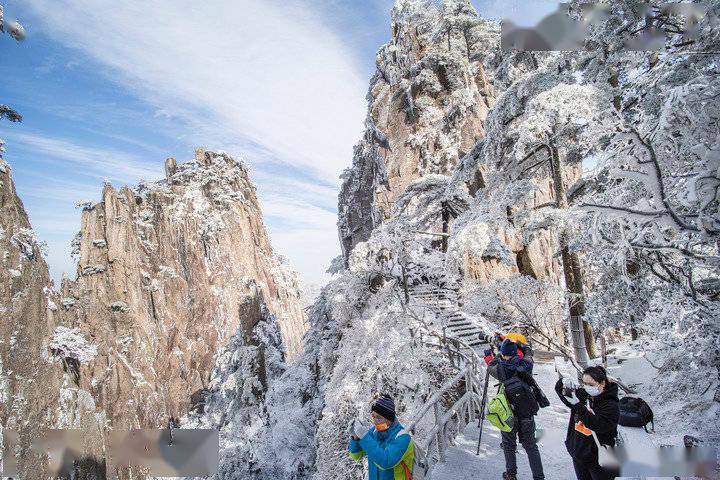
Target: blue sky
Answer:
[[110, 89]]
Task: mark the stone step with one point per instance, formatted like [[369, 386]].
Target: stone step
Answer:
[[428, 296], [463, 329], [433, 295], [475, 343], [469, 334], [433, 288], [466, 333], [459, 321]]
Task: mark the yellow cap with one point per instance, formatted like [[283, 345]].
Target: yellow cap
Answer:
[[517, 338]]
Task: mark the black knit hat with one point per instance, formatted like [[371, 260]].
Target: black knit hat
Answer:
[[385, 406], [508, 348]]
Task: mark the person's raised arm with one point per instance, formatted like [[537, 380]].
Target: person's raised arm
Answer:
[[385, 457]]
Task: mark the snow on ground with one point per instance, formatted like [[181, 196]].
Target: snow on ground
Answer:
[[462, 463]]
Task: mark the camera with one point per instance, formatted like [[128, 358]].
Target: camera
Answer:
[[570, 387], [492, 339]]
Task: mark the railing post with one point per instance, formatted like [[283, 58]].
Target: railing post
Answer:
[[447, 347], [440, 432]]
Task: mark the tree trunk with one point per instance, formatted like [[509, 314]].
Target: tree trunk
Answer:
[[406, 289], [582, 337], [445, 226], [614, 81]]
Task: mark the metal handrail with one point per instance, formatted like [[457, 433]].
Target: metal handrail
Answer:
[[436, 398], [464, 409]]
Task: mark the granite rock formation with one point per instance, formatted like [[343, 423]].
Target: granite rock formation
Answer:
[[428, 101], [168, 273]]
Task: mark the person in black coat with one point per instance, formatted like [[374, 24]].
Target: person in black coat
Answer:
[[595, 408], [503, 367]]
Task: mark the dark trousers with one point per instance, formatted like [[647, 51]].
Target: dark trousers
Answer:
[[525, 429], [591, 471]]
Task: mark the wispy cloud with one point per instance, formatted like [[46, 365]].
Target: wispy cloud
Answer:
[[268, 72], [92, 161], [269, 81]]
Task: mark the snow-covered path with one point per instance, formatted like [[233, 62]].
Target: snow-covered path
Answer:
[[463, 464]]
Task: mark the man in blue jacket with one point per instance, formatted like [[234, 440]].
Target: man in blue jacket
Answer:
[[389, 448]]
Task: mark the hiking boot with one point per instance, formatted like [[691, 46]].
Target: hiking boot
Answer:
[[509, 476]]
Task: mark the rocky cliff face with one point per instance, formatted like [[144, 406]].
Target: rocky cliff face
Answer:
[[436, 82], [167, 273], [29, 386], [427, 104], [446, 100]]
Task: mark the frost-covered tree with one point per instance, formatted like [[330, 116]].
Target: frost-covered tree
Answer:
[[407, 248], [561, 127], [460, 19]]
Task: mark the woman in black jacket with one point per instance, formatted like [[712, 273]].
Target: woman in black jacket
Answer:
[[601, 417]]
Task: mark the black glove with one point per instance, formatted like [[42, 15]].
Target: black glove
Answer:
[[582, 395], [540, 397]]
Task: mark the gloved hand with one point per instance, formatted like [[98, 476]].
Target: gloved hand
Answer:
[[360, 428], [489, 355], [582, 395], [573, 399]]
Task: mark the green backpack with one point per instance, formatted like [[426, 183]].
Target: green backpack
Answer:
[[499, 412]]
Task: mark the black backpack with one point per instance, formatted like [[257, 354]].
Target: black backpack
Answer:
[[635, 412], [520, 396]]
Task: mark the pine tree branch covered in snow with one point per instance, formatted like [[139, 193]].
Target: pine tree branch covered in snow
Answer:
[[599, 167], [644, 206], [70, 343]]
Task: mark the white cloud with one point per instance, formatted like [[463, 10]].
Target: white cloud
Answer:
[[89, 160], [318, 243], [267, 81], [269, 73]]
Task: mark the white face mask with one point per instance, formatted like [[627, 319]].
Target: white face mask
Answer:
[[592, 391]]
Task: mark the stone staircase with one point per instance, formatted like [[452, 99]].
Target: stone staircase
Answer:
[[444, 302]]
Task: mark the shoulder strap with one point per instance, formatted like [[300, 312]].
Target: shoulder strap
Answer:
[[528, 378], [408, 475]]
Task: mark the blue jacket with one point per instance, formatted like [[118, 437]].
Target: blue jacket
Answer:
[[502, 369], [388, 452], [516, 364]]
